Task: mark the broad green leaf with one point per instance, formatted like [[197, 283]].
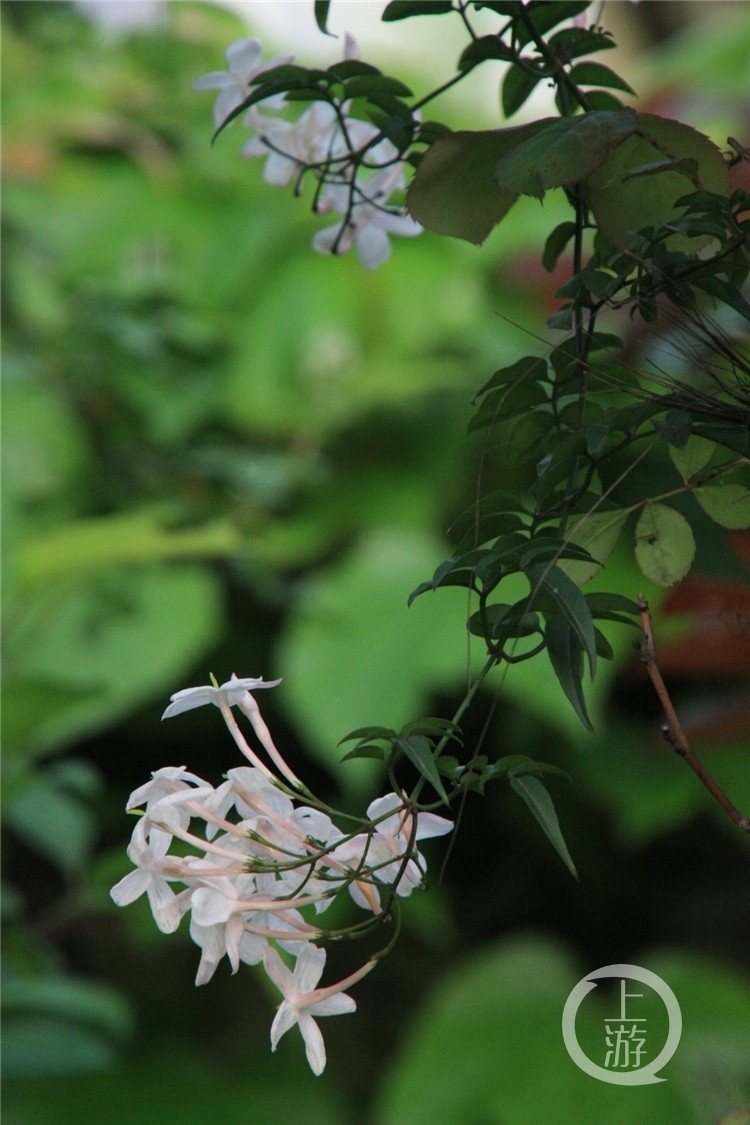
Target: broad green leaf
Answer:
[[454, 190], [518, 85], [726, 504], [486, 47], [595, 74], [96, 544], [556, 242], [571, 602], [622, 206], [564, 152], [531, 368], [369, 732], [664, 544], [419, 751], [538, 800], [365, 85], [122, 637], [692, 457], [598, 533], [566, 657]]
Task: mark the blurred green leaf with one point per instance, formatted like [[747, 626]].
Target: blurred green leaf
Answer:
[[664, 544]]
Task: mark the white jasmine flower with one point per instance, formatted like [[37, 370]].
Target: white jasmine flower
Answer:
[[232, 692], [367, 221], [302, 1001], [243, 60]]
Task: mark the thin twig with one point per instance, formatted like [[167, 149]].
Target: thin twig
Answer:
[[672, 729]]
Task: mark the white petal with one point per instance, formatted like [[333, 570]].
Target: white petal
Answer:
[[373, 246], [315, 1048], [285, 1018], [338, 1005], [244, 55], [309, 968], [216, 80]]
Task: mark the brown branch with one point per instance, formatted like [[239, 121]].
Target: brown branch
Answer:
[[672, 729]]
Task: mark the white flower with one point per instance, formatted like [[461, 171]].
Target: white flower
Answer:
[[288, 146], [381, 855], [232, 692], [153, 868], [367, 221], [302, 1001], [243, 60]]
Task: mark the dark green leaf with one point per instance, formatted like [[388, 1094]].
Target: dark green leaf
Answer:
[[531, 367], [676, 428], [556, 242], [486, 47], [419, 751], [563, 152], [572, 42], [367, 750], [518, 85], [538, 800], [368, 733], [566, 657], [594, 74], [403, 9], [375, 85], [454, 190], [571, 602], [545, 16], [321, 15]]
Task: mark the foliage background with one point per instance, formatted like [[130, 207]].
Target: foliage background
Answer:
[[224, 453]]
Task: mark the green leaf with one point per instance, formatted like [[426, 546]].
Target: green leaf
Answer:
[[566, 657], [622, 206], [664, 544], [726, 504], [598, 532], [385, 733], [544, 17], [403, 9], [692, 457], [594, 74], [571, 602], [564, 151], [366, 750], [365, 85], [420, 752], [486, 47], [556, 242], [321, 9], [531, 367], [538, 800], [518, 85], [454, 190]]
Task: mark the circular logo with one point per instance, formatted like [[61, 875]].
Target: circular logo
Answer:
[[625, 1035]]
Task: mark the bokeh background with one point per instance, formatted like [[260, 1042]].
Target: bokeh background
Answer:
[[223, 453]]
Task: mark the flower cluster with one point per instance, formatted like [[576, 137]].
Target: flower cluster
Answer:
[[357, 168], [252, 863]]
